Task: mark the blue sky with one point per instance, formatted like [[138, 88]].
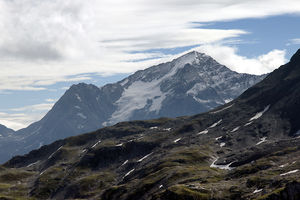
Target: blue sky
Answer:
[[265, 34], [44, 51]]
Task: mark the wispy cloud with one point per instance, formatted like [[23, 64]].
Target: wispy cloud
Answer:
[[17, 121], [51, 100], [44, 42], [293, 41], [33, 108], [17, 118]]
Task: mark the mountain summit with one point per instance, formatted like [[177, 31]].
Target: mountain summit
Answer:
[[194, 81], [190, 84], [248, 148]]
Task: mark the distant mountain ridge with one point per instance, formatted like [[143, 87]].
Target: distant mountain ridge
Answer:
[[191, 84], [4, 131], [246, 149]]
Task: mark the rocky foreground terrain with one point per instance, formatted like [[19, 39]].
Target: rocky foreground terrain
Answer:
[[246, 149]]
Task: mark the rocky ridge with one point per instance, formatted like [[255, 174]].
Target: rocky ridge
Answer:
[[194, 81], [246, 149]]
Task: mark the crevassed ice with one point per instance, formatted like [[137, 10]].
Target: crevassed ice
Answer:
[[137, 94], [136, 97]]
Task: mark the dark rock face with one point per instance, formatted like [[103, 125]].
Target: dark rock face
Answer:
[[290, 192], [281, 90], [190, 84]]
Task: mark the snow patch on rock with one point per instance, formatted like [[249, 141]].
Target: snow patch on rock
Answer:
[[249, 123], [124, 82], [228, 100], [125, 162], [54, 152], [96, 144], [225, 167], [146, 156], [127, 174], [216, 124], [198, 87], [284, 165], [290, 172], [78, 97], [82, 115], [218, 138], [203, 132], [153, 127], [80, 126], [225, 108], [177, 140], [257, 191], [262, 140], [33, 163], [235, 129], [259, 114]]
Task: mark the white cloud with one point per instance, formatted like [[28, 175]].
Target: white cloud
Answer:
[[36, 107], [51, 100], [43, 42], [258, 65], [17, 121], [49, 41], [272, 60], [293, 41], [17, 118]]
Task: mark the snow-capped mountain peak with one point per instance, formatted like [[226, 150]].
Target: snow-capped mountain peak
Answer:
[[190, 84], [194, 78]]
